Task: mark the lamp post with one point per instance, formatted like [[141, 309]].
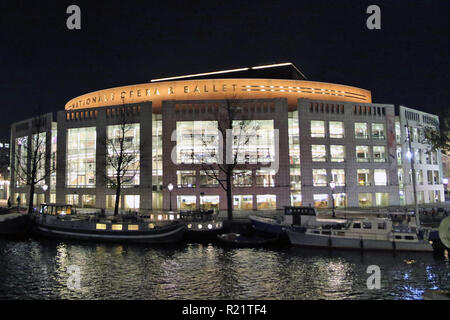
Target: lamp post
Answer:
[[170, 188], [332, 186]]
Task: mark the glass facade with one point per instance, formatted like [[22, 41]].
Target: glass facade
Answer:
[[157, 161], [123, 145], [253, 141], [21, 159], [197, 142], [294, 152], [81, 151]]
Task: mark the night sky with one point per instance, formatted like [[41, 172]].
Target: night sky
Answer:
[[43, 64]]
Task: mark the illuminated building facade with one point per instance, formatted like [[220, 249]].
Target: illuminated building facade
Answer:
[[314, 132]]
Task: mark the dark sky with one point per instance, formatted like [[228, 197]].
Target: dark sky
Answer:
[[43, 64]]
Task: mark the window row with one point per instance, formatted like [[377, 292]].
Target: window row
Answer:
[[366, 177], [336, 130], [337, 153], [240, 202], [210, 178]]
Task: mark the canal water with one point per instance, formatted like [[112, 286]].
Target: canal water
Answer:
[[38, 269]]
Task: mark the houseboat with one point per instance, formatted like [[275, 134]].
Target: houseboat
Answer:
[[363, 234], [293, 216], [62, 221]]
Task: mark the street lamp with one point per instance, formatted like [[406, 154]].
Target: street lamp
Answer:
[[45, 187], [170, 188], [332, 186]]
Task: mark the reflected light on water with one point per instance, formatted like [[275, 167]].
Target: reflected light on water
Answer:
[[38, 270]]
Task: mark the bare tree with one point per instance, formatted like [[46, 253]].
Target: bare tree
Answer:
[[30, 158], [122, 154], [229, 118], [438, 136]]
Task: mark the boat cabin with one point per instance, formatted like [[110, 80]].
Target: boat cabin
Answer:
[[293, 215], [56, 209]]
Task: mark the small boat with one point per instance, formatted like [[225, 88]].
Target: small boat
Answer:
[[293, 216], [60, 221], [201, 225], [362, 234], [237, 240]]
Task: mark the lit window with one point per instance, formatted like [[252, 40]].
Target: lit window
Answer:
[[253, 141], [186, 202], [363, 177], [197, 141], [337, 153], [319, 153], [338, 176], [361, 131], [123, 139], [243, 202], [116, 227], [319, 177], [151, 225], [377, 131], [209, 202], [265, 178], [266, 201], [296, 199], [131, 201], [340, 200], [242, 178], [186, 178], [362, 153], [133, 227], [379, 154], [380, 177], [317, 129], [72, 199], [100, 226], [382, 199], [321, 200], [336, 129], [208, 178], [81, 157], [365, 199]]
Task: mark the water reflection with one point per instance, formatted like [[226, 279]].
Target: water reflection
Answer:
[[38, 270]]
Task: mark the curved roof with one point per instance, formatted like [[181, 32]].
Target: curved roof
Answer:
[[219, 89]]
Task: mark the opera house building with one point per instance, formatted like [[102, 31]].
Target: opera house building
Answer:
[[310, 142]]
